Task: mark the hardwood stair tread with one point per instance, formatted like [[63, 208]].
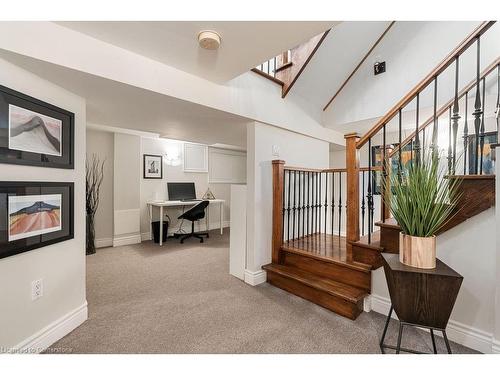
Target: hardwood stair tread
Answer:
[[347, 292], [388, 223], [374, 243], [342, 262]]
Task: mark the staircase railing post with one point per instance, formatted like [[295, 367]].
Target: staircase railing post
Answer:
[[278, 189], [352, 167]]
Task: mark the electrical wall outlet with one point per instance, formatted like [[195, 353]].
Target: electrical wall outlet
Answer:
[[36, 289]]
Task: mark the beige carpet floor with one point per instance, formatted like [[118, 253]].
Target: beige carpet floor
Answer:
[[181, 299]]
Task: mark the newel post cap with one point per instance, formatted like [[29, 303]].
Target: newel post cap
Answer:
[[351, 135], [278, 162]]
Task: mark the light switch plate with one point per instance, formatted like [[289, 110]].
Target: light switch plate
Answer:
[[276, 151]]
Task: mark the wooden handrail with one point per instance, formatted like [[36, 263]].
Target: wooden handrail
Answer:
[[447, 105], [466, 43], [330, 170], [268, 76]]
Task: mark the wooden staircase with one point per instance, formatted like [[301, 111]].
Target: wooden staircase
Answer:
[[316, 268], [334, 271]]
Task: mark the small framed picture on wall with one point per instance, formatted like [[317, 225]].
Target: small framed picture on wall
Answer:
[[153, 166]]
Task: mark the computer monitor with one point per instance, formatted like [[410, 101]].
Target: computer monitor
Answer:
[[178, 191]]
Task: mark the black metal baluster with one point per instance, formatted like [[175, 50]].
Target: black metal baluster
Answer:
[[384, 167], [340, 201], [284, 203], [369, 192], [477, 109], [307, 206], [288, 204], [434, 145], [417, 138], [303, 203], [294, 207], [481, 135], [313, 203], [326, 198], [455, 118], [363, 202], [400, 163], [299, 207], [320, 203], [274, 73], [333, 199], [449, 141], [317, 202], [466, 132]]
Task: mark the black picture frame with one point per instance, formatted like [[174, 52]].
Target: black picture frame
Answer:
[[26, 189], [9, 98], [144, 166]]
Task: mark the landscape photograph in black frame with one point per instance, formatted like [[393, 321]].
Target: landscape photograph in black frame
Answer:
[[34, 215], [33, 132]]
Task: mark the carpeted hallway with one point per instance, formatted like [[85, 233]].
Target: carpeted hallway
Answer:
[[181, 299]]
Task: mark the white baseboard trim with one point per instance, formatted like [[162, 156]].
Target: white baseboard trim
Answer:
[[255, 277], [53, 332], [126, 240], [103, 242], [458, 332]]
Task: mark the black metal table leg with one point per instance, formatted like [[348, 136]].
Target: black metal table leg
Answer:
[[446, 341], [433, 341], [385, 331], [398, 347]]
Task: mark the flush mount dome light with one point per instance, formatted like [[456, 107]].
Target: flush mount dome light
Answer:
[[209, 39]]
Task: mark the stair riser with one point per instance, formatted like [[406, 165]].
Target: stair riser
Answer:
[[330, 271], [368, 256], [389, 240], [340, 306]]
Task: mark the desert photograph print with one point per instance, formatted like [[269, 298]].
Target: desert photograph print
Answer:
[[33, 132], [32, 215]]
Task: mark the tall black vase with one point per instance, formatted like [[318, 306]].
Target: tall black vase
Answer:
[[90, 235]]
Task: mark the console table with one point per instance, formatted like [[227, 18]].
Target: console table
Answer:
[[421, 297]]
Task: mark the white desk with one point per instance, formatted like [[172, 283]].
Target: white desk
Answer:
[[161, 204]]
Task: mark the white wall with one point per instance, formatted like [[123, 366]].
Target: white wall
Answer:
[[469, 249], [102, 145], [132, 191], [126, 189], [295, 149], [157, 189], [248, 95], [37, 324], [411, 50]]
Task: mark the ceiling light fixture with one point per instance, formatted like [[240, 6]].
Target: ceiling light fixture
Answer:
[[209, 39]]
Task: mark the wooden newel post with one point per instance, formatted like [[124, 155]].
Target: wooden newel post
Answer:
[[352, 166], [278, 188]]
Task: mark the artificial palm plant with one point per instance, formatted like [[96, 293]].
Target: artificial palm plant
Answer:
[[422, 199]]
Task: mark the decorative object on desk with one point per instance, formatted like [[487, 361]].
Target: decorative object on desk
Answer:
[[153, 166], [35, 214], [422, 201], [208, 195], [488, 167], [422, 298], [34, 133], [93, 178]]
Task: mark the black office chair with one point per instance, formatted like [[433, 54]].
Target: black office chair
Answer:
[[194, 214]]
